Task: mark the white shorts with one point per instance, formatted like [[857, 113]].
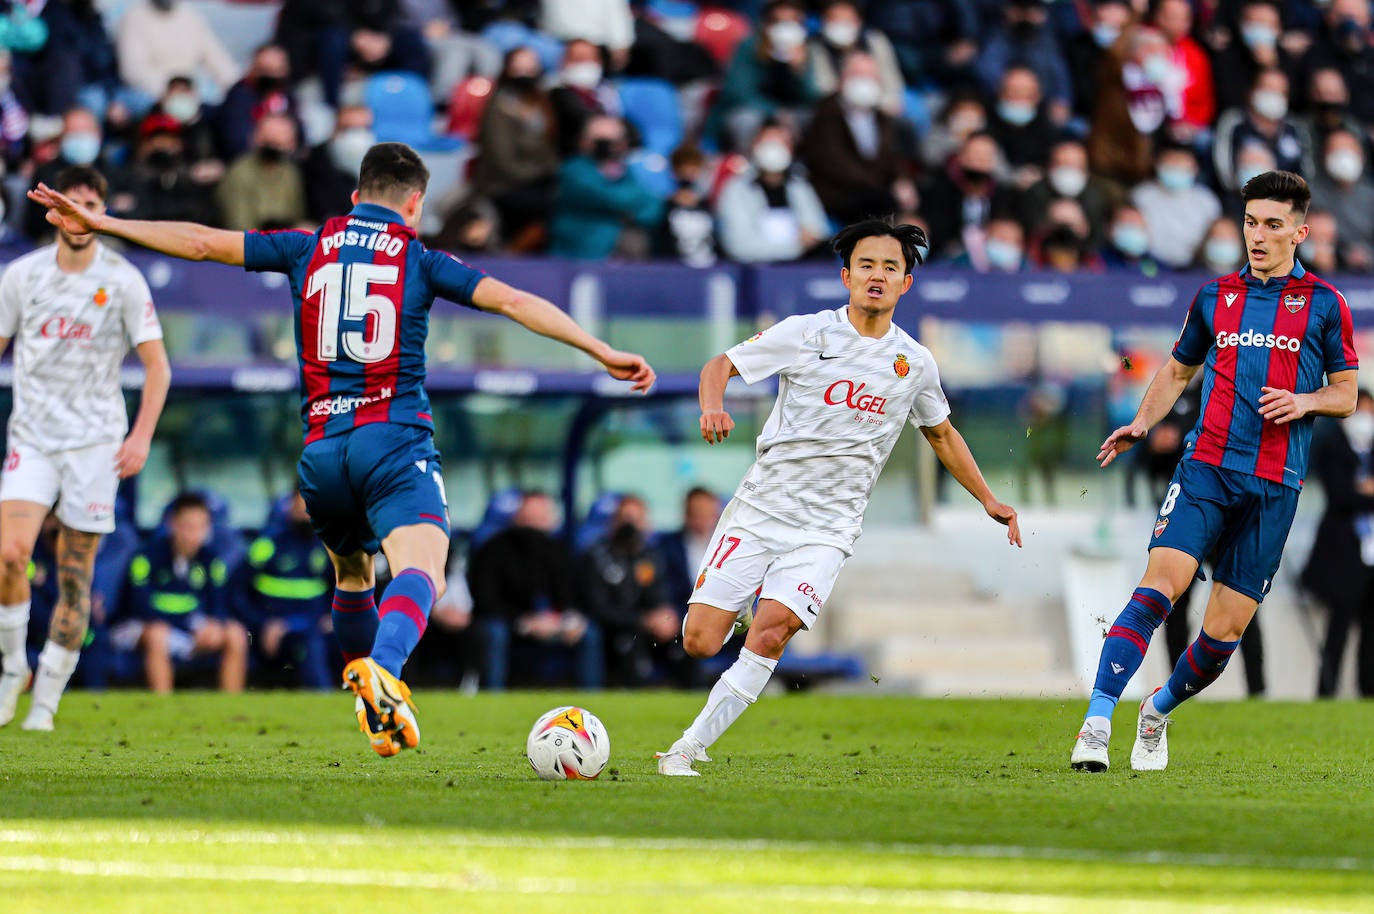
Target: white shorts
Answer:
[[755, 554], [81, 482]]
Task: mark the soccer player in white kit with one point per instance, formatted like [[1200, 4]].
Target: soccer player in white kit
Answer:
[[73, 310], [849, 380]]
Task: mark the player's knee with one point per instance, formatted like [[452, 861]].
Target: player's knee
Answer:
[[156, 636], [14, 560], [699, 644]]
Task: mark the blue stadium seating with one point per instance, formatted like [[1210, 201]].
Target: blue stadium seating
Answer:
[[497, 517], [652, 106], [597, 522], [403, 111]]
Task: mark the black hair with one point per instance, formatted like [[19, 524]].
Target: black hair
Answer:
[[1282, 187], [392, 170], [912, 238], [81, 176], [187, 501]]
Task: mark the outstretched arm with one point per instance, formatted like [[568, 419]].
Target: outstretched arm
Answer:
[[547, 319], [1168, 384], [187, 240], [953, 452]]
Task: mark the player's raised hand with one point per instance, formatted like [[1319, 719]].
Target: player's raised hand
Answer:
[[716, 425], [627, 366], [131, 456], [1121, 441], [1005, 515], [1280, 406], [63, 211]]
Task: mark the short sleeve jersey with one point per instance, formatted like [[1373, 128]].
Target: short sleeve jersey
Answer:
[[843, 400], [71, 332], [1248, 334], [362, 286]]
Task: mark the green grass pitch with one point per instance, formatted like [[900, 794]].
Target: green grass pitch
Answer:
[[270, 802]]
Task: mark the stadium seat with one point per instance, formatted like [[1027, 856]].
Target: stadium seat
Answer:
[[507, 35], [466, 104], [597, 522], [916, 110], [720, 31], [652, 106], [497, 517], [651, 170], [402, 111], [241, 27]]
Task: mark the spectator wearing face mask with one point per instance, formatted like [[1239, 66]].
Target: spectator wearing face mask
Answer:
[[1241, 52], [1177, 209], [961, 198], [963, 115], [1000, 248], [1328, 109], [263, 188], [264, 89], [768, 213], [600, 209], [1321, 250], [1193, 97], [159, 183], [182, 104], [1107, 21], [331, 168], [1022, 127], [582, 93], [1067, 175], [1342, 187], [1343, 42], [1264, 120], [159, 39], [1340, 568], [1128, 243], [842, 33], [1222, 250], [851, 150], [1023, 39], [1131, 107], [688, 231], [771, 75], [79, 143], [518, 167]]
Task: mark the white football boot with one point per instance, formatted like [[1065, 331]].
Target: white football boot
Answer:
[[38, 719], [1151, 749], [1090, 750], [677, 761]]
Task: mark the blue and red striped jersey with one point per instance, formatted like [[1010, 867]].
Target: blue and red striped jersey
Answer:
[[362, 286], [1285, 333]]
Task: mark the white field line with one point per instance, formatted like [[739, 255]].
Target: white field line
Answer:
[[78, 835], [888, 899]]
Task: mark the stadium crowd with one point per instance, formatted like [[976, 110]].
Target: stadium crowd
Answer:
[[1024, 134]]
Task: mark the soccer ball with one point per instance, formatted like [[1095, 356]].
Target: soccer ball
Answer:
[[568, 743]]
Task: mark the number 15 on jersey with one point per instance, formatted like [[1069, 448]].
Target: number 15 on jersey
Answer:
[[345, 295]]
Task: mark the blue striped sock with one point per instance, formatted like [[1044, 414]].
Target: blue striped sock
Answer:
[[404, 615], [1124, 648], [355, 621], [1198, 668]]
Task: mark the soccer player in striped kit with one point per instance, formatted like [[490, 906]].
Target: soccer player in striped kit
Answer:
[[1275, 345], [370, 475]]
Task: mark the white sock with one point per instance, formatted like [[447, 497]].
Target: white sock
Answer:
[[55, 666], [14, 633], [1099, 723], [737, 689], [1149, 709]]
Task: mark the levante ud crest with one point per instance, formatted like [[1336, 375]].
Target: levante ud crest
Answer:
[[1294, 303]]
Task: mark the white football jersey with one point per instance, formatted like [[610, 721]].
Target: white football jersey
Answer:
[[843, 400], [70, 334]]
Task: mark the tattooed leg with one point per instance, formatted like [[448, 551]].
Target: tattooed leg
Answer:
[[75, 566]]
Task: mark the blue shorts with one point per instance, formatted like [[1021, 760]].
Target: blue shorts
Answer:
[[361, 485], [1243, 518]]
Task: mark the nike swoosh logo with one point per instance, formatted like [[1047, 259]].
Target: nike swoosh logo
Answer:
[[825, 357]]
